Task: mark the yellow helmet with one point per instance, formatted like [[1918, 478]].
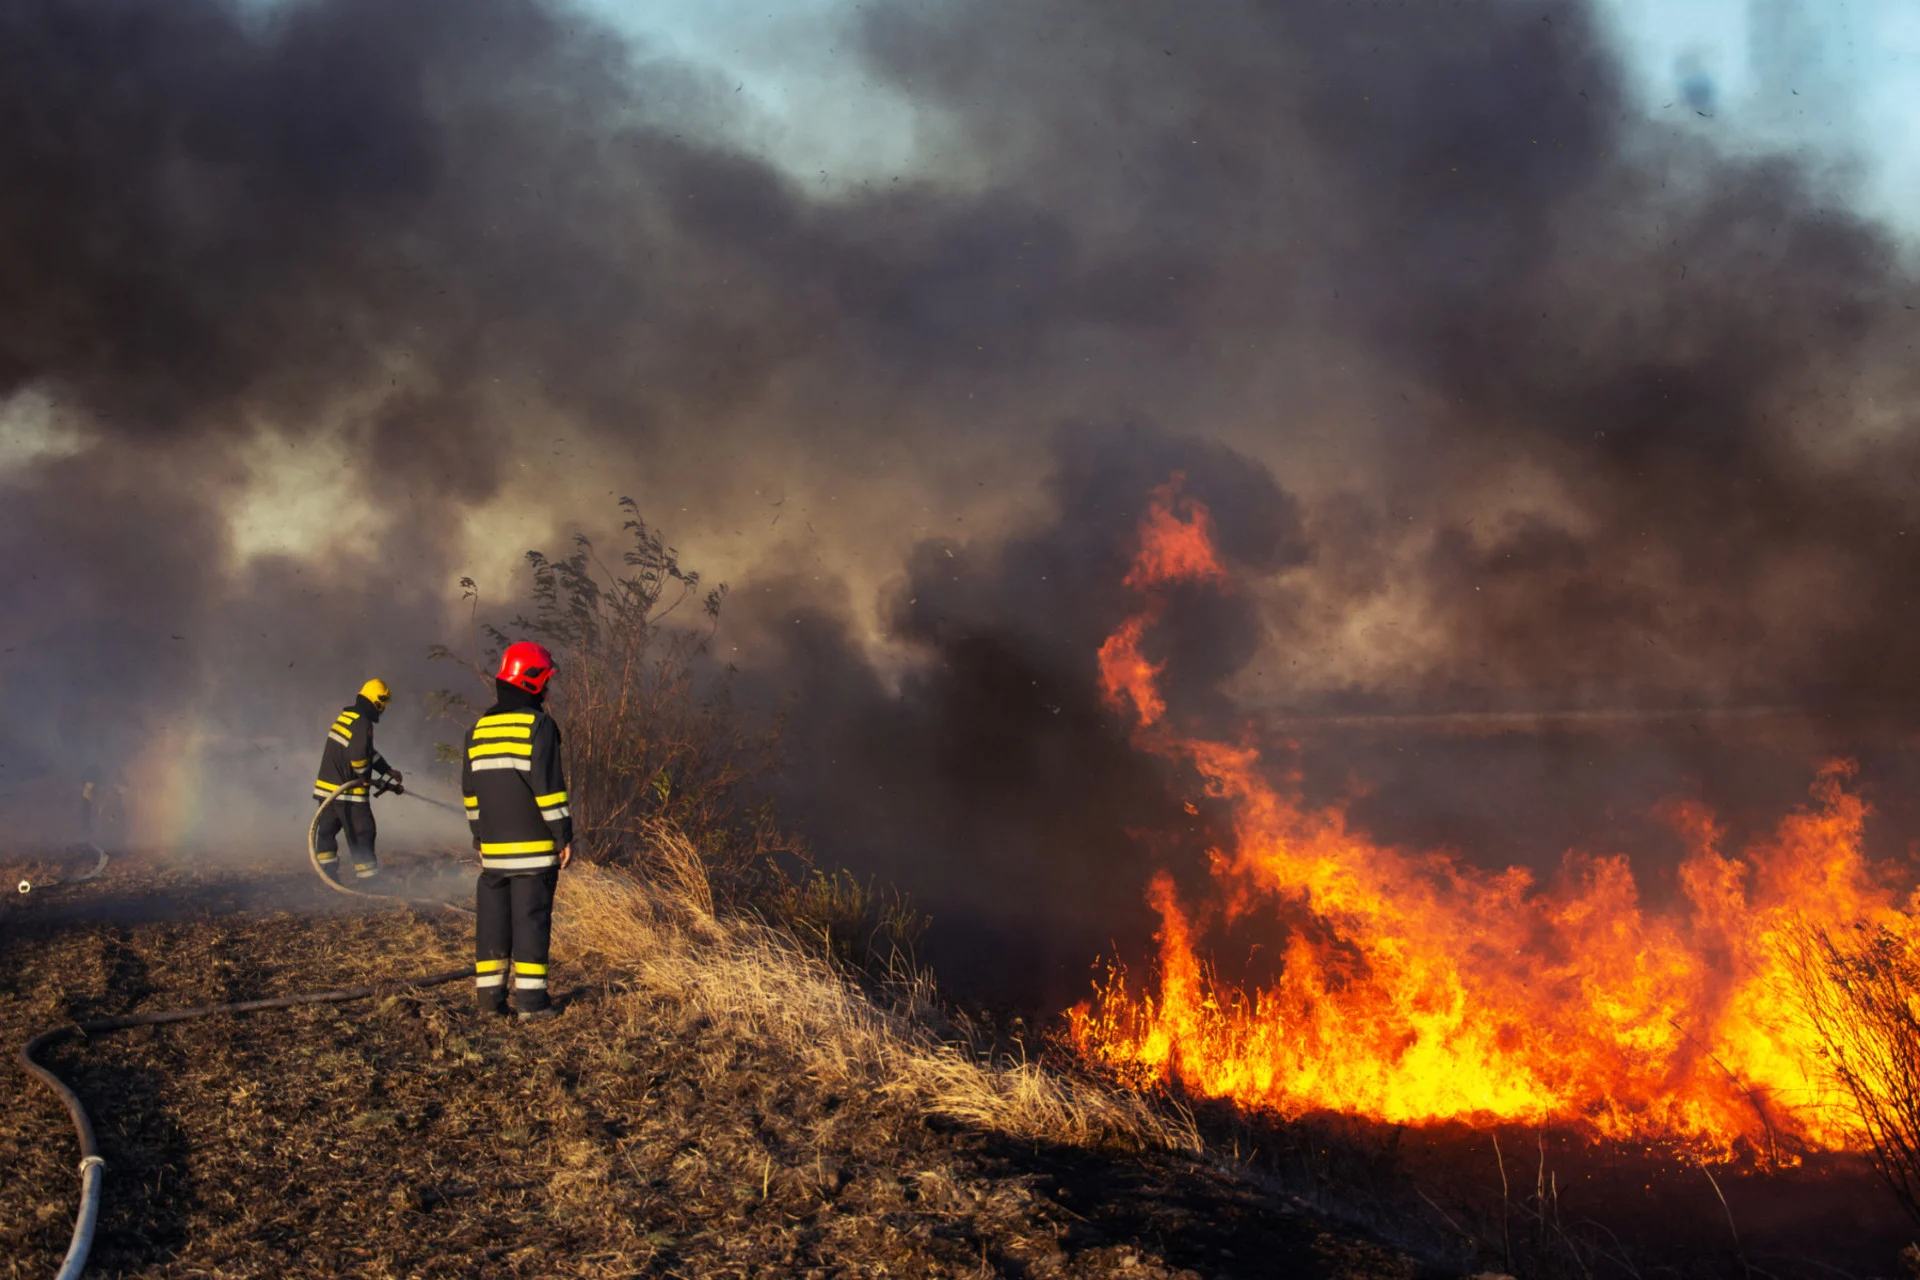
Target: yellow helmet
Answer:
[[376, 692]]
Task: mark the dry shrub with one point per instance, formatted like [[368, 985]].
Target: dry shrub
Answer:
[[1858, 998], [653, 741], [872, 929], [772, 988]]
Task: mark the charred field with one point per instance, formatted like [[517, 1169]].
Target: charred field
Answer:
[[639, 1134]]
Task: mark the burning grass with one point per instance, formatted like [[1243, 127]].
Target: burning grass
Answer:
[[1859, 997], [1417, 988]]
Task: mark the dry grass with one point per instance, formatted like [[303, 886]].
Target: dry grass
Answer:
[[677, 1125], [768, 986]]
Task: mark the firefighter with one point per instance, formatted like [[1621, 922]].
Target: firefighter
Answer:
[[516, 799], [347, 764]]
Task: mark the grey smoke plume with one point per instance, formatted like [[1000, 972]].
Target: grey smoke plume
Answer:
[[1504, 399]]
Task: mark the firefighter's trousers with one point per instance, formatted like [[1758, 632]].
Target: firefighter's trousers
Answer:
[[357, 819], [513, 923]]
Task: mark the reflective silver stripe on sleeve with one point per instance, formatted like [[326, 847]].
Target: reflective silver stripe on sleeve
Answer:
[[554, 815]]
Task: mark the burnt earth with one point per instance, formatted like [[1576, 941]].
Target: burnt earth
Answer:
[[411, 1137]]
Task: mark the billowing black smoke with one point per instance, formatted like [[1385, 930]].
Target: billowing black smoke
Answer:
[[1503, 398], [1613, 424]]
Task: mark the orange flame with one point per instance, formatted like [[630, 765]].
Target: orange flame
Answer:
[[1176, 541], [1430, 990], [1176, 545]]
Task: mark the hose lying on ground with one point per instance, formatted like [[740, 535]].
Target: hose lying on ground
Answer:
[[100, 864], [92, 1167]]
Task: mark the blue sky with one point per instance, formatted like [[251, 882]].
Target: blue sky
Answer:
[[1836, 81]]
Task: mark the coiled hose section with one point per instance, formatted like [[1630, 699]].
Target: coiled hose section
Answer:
[[99, 865], [92, 1167], [313, 857]]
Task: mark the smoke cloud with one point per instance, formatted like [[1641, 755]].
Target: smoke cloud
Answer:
[[1508, 402]]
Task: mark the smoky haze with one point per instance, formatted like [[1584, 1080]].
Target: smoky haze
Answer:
[[1505, 399]]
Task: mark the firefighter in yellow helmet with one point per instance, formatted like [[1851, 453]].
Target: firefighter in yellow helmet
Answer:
[[347, 765]]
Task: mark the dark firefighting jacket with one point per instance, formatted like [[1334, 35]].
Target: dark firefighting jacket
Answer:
[[349, 758], [514, 787]]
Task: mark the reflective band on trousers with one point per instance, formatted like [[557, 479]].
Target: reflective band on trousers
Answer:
[[489, 973]]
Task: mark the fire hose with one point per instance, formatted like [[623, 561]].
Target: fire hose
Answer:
[[100, 864], [92, 1166], [313, 852]]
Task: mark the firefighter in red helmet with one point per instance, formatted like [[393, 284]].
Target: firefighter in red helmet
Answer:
[[516, 798]]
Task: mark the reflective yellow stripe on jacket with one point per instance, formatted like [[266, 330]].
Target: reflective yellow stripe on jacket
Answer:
[[322, 790], [503, 741], [343, 727]]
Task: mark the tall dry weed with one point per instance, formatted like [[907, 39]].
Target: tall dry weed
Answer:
[[1861, 998], [652, 739]]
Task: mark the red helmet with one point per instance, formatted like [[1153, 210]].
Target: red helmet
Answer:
[[527, 665]]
